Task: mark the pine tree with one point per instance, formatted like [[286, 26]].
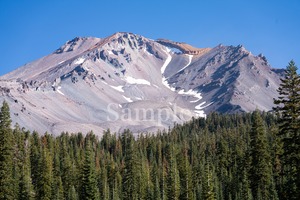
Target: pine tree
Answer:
[[57, 186], [245, 187], [185, 173], [18, 149], [66, 172], [208, 184], [35, 156], [145, 185], [117, 187], [288, 111], [57, 189], [6, 154], [25, 184], [156, 193], [89, 182], [223, 164], [44, 183], [104, 186], [261, 168], [173, 179], [129, 181], [72, 195]]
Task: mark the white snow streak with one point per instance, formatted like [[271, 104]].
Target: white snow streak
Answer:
[[167, 62], [60, 92], [165, 83], [132, 80], [127, 98], [147, 52], [118, 88], [194, 101], [190, 60], [79, 61], [163, 68], [200, 113], [199, 107], [191, 93]]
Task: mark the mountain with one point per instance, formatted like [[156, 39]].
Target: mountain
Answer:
[[129, 81]]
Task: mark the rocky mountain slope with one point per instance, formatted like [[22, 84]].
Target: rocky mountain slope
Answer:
[[129, 81]]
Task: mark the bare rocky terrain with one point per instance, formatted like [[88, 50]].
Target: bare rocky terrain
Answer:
[[129, 81]]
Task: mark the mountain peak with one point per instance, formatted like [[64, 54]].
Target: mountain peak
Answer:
[[129, 81], [123, 34], [73, 44]]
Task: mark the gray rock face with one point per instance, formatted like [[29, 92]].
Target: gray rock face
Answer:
[[129, 81], [231, 79]]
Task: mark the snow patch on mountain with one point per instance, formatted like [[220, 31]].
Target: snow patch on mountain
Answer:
[[165, 83], [200, 113], [200, 106], [163, 68], [79, 61], [118, 88], [168, 60], [137, 81], [175, 50], [199, 109], [127, 99], [191, 93], [60, 92]]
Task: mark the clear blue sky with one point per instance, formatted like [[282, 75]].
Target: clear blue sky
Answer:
[[34, 28]]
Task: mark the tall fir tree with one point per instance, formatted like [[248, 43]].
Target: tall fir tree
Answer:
[[103, 184], [129, 181], [35, 156], [208, 184], [288, 112], [26, 191], [245, 193], [157, 190], [6, 154], [66, 171], [72, 195], [185, 173], [260, 167], [57, 187], [44, 180], [173, 179], [18, 158], [89, 182]]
